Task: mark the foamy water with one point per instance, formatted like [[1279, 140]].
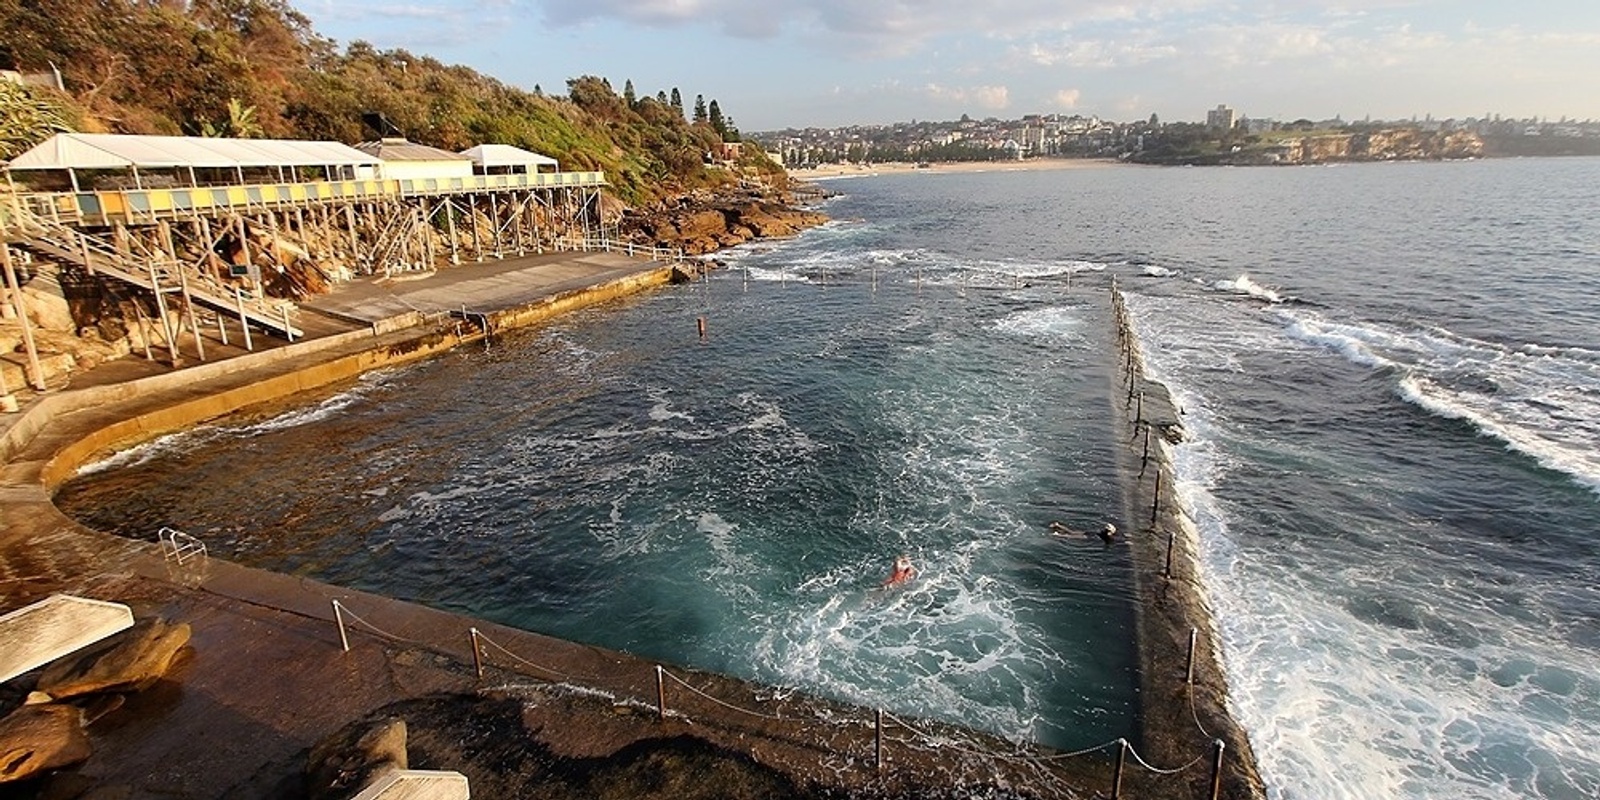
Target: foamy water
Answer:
[[1389, 658]]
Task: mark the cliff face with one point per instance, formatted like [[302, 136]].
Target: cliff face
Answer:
[[1398, 144]]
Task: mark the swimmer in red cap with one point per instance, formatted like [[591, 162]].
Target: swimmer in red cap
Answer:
[[903, 571]]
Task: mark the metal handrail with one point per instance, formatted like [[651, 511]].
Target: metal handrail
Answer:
[[589, 244], [178, 547]]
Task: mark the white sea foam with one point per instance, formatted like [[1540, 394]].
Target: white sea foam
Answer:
[[1559, 441], [661, 408], [1153, 271], [768, 421], [329, 407], [733, 570], [186, 441], [932, 648], [1350, 670], [1244, 285], [1050, 323], [1543, 402], [144, 452], [1356, 343], [778, 274]]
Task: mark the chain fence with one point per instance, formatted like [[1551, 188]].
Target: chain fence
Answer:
[[920, 735]]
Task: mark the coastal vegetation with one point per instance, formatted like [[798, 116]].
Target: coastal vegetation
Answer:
[[258, 68]]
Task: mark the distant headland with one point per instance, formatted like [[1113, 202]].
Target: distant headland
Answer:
[[1225, 138]]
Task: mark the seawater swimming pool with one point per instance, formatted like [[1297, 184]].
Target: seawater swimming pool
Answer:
[[731, 504]]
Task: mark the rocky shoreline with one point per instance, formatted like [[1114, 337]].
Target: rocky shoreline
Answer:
[[702, 222]]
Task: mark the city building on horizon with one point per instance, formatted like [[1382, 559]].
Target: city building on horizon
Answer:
[[1221, 118]]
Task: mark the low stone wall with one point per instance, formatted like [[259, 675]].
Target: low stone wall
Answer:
[[1185, 722]]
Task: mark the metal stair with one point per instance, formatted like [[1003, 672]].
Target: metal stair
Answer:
[[65, 243]]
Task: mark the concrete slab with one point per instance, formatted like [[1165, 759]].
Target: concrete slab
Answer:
[[489, 287], [418, 784], [38, 634]]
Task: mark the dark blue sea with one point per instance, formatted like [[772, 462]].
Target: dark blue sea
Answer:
[[1390, 375]]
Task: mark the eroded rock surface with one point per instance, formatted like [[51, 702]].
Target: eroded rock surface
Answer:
[[37, 738], [340, 765], [130, 661], [704, 222]]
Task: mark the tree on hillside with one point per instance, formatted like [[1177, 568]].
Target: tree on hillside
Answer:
[[699, 108], [594, 95], [240, 124], [718, 124], [627, 94], [256, 67], [26, 120]]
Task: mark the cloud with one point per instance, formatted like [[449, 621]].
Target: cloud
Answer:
[[989, 98], [406, 11], [1141, 47], [878, 26], [1067, 99]]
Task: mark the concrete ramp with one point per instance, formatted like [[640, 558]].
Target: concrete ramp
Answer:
[[38, 634], [417, 784]]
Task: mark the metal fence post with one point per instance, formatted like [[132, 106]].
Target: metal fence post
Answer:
[[477, 658], [338, 616], [1116, 776], [1194, 636], [1172, 540], [1155, 501], [1216, 771], [661, 692], [877, 744]]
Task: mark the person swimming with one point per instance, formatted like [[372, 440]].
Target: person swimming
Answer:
[[902, 572], [1108, 532]]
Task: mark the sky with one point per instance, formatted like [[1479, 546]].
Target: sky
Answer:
[[830, 63]]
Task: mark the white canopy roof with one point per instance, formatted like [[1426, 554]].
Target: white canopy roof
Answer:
[[115, 151], [504, 155], [38, 634], [417, 784]]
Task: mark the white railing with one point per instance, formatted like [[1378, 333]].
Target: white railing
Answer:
[[592, 245], [178, 547]]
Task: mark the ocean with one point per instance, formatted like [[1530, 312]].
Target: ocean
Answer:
[[1389, 374]]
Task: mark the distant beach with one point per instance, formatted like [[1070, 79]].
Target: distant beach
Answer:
[[837, 171]]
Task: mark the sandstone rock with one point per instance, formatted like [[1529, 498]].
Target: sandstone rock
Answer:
[[343, 763], [46, 306], [34, 739], [131, 660]]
